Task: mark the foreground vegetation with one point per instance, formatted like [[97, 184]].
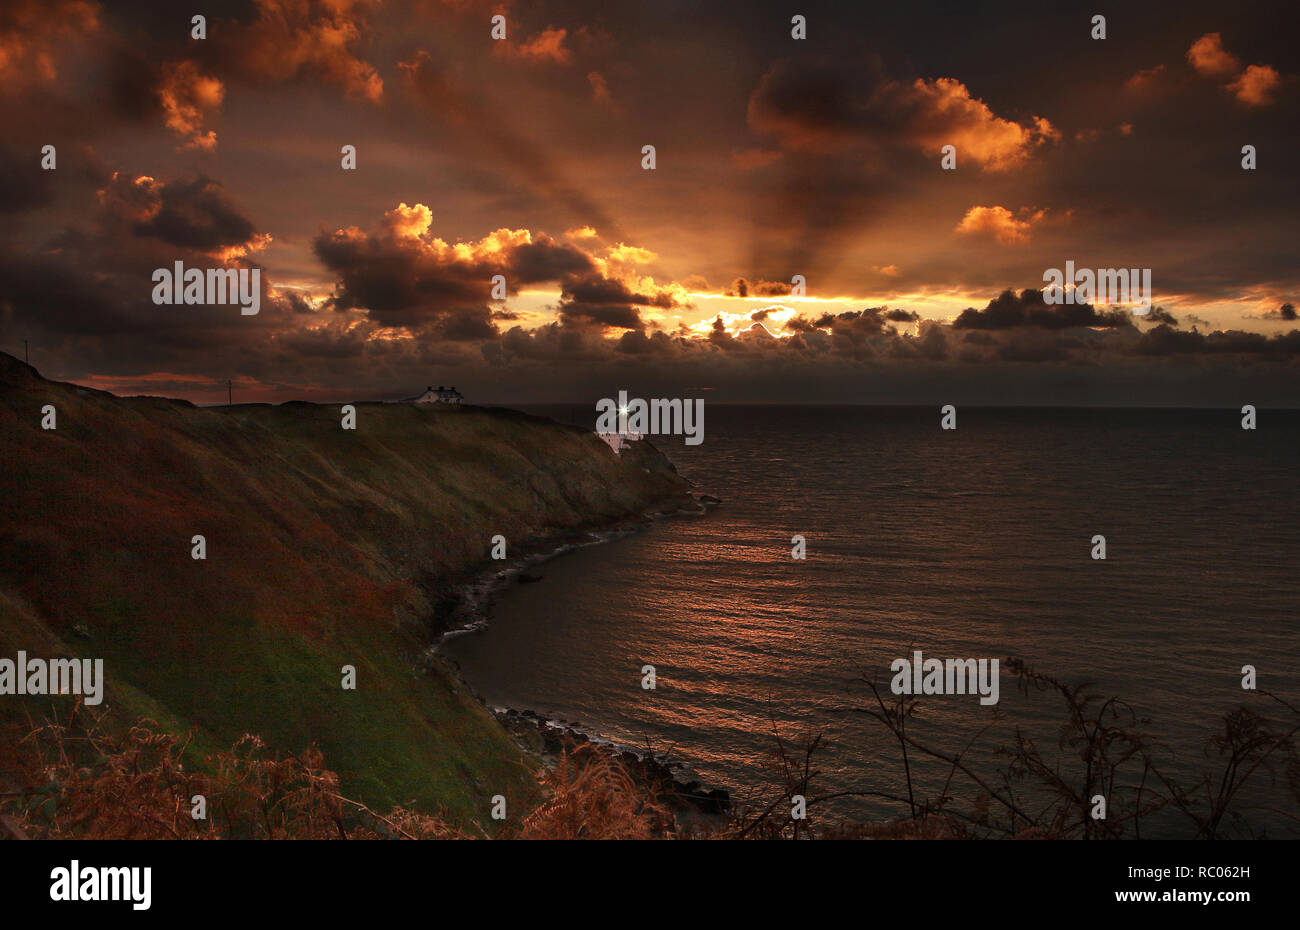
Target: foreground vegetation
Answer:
[[79, 779], [83, 781]]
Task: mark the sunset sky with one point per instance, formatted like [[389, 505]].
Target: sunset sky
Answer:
[[775, 157]]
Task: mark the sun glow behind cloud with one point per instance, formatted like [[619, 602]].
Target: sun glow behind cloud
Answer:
[[535, 307]]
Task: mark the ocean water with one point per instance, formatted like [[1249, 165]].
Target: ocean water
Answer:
[[973, 543]]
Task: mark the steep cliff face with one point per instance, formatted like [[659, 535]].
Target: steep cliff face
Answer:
[[325, 547]]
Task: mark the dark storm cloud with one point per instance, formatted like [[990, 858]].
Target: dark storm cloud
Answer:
[[547, 260], [618, 316], [86, 291], [801, 324], [552, 342], [870, 321], [473, 323], [592, 288], [1285, 312], [401, 276], [195, 214], [1009, 310], [401, 279], [1165, 340], [931, 344], [592, 299], [742, 288], [397, 284], [817, 104], [637, 342]]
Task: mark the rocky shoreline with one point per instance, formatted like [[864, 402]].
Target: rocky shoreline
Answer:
[[467, 610], [465, 607], [671, 781]]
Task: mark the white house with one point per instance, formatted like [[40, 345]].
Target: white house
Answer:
[[438, 395]]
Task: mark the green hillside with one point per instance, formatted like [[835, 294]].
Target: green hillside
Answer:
[[325, 547]]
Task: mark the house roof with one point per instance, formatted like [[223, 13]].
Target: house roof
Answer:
[[440, 390]]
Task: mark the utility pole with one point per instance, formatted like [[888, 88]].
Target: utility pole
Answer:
[[26, 360], [229, 395]]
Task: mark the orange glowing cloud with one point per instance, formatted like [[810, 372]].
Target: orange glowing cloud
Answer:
[[1208, 56], [868, 111], [187, 97], [546, 46], [293, 37], [630, 255], [406, 222], [1255, 86], [1000, 223], [944, 113], [1145, 80], [258, 243]]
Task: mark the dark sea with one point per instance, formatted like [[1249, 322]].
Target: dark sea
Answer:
[[973, 543]]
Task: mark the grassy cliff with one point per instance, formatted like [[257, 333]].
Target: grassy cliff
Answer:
[[325, 547]]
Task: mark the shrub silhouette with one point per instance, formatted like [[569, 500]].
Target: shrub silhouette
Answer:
[[85, 778]]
